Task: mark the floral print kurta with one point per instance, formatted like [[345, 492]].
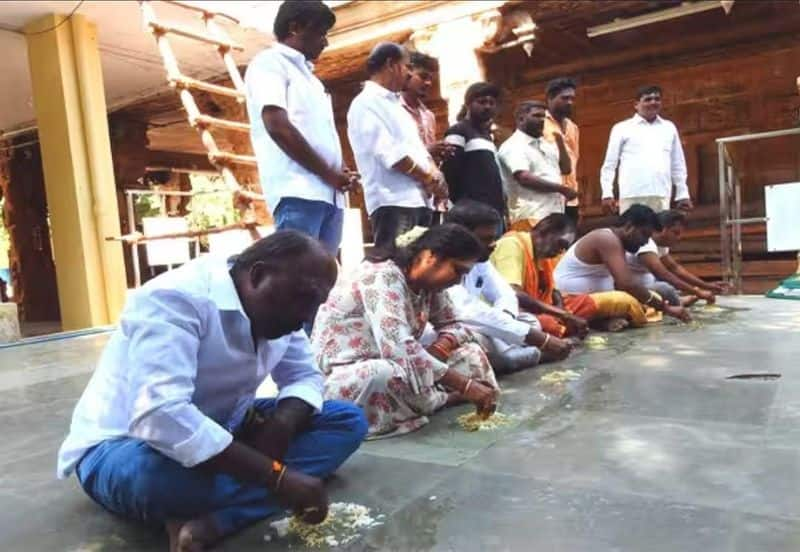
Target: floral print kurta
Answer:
[[366, 340]]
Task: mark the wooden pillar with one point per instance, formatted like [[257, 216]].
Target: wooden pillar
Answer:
[[69, 101], [25, 216]]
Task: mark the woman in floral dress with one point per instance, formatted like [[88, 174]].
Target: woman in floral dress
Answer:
[[366, 336]]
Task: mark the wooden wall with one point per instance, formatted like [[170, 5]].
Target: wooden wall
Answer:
[[710, 95], [721, 75]]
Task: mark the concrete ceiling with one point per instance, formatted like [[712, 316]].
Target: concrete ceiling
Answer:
[[132, 67]]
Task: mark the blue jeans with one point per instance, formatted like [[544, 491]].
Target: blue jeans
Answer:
[[318, 219], [129, 478]]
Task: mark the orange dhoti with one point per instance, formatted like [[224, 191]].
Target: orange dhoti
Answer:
[[535, 277], [596, 306]]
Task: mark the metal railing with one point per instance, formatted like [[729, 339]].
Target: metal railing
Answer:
[[730, 205]]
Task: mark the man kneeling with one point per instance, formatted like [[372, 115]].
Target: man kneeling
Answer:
[[168, 431]]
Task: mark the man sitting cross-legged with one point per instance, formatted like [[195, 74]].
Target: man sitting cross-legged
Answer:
[[488, 304], [527, 259], [597, 263], [656, 269], [168, 432]]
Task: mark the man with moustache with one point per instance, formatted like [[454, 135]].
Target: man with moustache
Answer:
[[400, 178], [532, 169], [560, 97], [472, 171], [292, 127], [423, 69], [648, 151], [169, 432]]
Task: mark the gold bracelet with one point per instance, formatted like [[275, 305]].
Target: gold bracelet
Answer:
[[413, 166], [546, 339]]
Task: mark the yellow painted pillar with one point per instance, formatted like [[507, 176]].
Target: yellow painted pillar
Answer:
[[70, 107]]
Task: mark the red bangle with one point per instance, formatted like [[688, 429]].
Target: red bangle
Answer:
[[439, 350]]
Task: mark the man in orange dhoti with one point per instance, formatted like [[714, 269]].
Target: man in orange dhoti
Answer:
[[527, 261]]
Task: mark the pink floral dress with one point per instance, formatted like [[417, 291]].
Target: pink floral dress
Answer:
[[366, 341]]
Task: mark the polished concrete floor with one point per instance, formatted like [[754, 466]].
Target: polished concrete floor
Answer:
[[654, 448]]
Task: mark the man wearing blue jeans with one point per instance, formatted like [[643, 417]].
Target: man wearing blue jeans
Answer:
[[168, 431], [292, 127]]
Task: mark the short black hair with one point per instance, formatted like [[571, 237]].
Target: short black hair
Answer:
[[283, 246], [671, 217], [381, 53], [472, 214], [557, 86], [556, 222], [304, 13], [480, 89], [640, 215], [648, 89], [423, 61], [526, 106]]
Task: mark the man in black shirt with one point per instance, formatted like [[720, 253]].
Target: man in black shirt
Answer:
[[472, 172]]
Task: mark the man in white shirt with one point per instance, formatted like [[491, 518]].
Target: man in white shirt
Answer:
[[649, 154], [400, 178], [655, 268], [532, 169], [168, 430], [488, 304], [292, 127]]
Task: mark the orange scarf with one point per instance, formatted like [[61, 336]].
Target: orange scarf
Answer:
[[539, 282]]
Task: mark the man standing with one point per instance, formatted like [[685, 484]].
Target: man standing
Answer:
[[423, 68], [401, 179], [532, 169], [472, 171], [168, 430], [648, 151], [560, 97], [292, 127]]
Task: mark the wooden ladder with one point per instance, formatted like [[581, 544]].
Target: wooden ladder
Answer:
[[215, 36]]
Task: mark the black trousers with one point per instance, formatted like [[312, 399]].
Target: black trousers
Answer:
[[389, 222]]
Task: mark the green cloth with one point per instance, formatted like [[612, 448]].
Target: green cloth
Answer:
[[787, 289]]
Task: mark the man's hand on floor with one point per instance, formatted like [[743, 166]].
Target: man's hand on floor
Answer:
[[304, 495]]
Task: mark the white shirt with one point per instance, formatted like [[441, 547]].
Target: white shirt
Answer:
[[486, 302], [381, 133], [181, 370], [281, 77], [522, 152], [650, 159], [638, 268]]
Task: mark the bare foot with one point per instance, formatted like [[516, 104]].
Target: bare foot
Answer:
[[615, 324], [689, 300], [192, 536]]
